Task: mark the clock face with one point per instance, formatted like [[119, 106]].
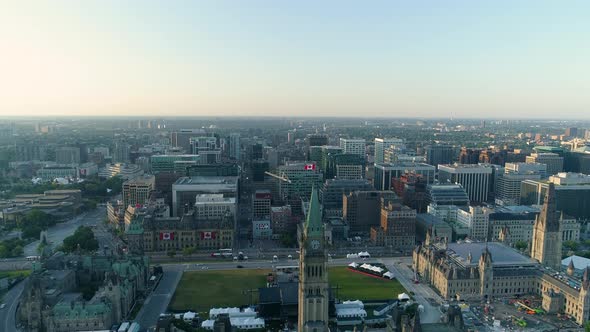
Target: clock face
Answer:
[[315, 244]]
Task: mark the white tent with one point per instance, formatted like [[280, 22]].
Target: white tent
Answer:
[[353, 265], [388, 274], [403, 297], [189, 315]]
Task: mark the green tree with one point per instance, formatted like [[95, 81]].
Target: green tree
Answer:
[[521, 245], [171, 253], [587, 327], [16, 251], [571, 245], [4, 252], [82, 237], [188, 251]]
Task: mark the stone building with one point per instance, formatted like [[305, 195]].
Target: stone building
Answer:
[[55, 298], [485, 271]]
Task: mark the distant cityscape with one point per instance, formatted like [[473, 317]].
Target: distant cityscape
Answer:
[[191, 224]]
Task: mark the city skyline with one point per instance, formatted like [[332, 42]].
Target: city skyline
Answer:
[[384, 59]]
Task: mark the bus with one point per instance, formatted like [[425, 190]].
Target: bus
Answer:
[[33, 258], [226, 252]]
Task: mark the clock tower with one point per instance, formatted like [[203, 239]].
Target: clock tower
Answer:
[[313, 272]]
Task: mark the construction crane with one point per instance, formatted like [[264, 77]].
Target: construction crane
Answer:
[[276, 176]]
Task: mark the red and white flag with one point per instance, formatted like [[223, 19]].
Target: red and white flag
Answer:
[[166, 236]]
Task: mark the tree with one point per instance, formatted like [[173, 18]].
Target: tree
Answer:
[[571, 245], [188, 251], [521, 245], [82, 237], [171, 253], [587, 327]]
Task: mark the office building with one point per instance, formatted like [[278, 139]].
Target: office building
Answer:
[[477, 220], [476, 179], [173, 163], [343, 166], [125, 171], [411, 188], [511, 224], [207, 149], [30, 151], [234, 146], [121, 152], [214, 206], [361, 210], [353, 146], [282, 220], [317, 140], [508, 184], [446, 194], [297, 180], [553, 161], [469, 156], [383, 143], [333, 190], [578, 160], [482, 271], [571, 132], [385, 173], [186, 189], [137, 191], [397, 229], [223, 169], [323, 154], [50, 173], [439, 154], [572, 193], [434, 226], [181, 138], [67, 155], [261, 202]]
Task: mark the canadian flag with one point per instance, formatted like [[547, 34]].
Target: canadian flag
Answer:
[[167, 236], [309, 167], [207, 235]]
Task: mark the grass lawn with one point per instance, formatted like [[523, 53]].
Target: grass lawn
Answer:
[[14, 273], [356, 286], [201, 290]]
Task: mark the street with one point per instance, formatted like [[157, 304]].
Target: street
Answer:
[[157, 302], [8, 314], [56, 234]]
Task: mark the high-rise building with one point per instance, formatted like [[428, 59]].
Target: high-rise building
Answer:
[[172, 163], [476, 179], [314, 291], [67, 155], [213, 206], [572, 193], [439, 154], [186, 189], [553, 161], [181, 138], [385, 173], [137, 191], [353, 146], [411, 188], [317, 140], [469, 156], [571, 132], [207, 149], [299, 179], [382, 143], [223, 169], [121, 152], [234, 146], [362, 209], [578, 160], [508, 184], [547, 237], [397, 227], [261, 202], [333, 190], [476, 219], [344, 166], [446, 194]]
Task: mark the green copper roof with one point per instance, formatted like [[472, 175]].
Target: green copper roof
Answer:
[[313, 224]]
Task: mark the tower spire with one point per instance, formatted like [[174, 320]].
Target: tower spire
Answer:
[[313, 222]]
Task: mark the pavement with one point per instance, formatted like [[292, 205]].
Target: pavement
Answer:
[[423, 294], [8, 313], [157, 302]]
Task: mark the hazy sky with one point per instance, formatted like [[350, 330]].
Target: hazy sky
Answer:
[[295, 58]]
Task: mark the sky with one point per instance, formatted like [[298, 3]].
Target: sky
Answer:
[[495, 59]]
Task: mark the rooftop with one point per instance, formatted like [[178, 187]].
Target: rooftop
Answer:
[[194, 180], [501, 254]]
